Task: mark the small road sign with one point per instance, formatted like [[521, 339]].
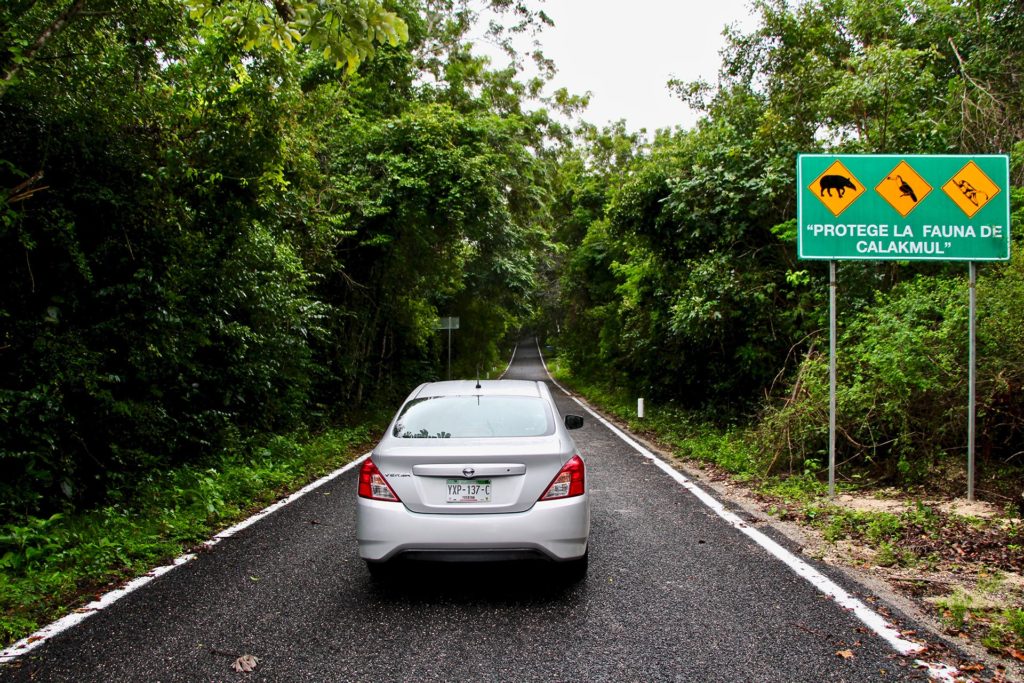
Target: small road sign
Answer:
[[880, 207]]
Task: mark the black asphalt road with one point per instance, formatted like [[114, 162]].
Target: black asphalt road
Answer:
[[673, 594]]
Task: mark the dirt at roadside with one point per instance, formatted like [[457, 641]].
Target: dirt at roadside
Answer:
[[970, 567]]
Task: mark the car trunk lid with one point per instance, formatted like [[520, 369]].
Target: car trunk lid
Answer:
[[472, 476]]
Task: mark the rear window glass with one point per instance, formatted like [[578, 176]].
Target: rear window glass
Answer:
[[466, 417]]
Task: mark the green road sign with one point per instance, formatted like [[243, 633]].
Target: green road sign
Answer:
[[447, 324], [911, 207]]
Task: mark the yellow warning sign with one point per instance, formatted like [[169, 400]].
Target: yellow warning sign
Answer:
[[837, 188], [971, 189], [903, 188]]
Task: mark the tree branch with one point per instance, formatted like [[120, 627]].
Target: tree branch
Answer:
[[31, 276], [24, 189], [73, 10]]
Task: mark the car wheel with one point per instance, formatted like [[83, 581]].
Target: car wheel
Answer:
[[575, 571], [379, 571]]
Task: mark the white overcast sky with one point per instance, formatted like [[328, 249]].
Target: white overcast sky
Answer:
[[624, 53]]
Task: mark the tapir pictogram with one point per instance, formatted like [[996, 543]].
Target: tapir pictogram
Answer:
[[835, 182]]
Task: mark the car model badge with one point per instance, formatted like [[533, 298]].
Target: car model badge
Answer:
[[469, 472]]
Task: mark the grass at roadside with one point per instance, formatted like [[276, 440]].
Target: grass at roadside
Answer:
[[986, 555], [50, 566], [689, 434]]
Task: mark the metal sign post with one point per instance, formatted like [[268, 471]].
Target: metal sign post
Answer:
[[972, 363], [448, 324], [909, 207], [831, 379]]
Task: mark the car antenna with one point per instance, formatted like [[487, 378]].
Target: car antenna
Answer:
[[478, 377]]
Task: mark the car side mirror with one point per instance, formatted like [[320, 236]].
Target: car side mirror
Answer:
[[573, 421]]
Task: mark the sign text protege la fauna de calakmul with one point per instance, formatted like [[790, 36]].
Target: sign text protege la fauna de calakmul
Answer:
[[903, 207]]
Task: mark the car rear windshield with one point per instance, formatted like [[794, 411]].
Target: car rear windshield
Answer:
[[473, 417]]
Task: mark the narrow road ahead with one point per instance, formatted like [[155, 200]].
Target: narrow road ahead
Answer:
[[674, 593]]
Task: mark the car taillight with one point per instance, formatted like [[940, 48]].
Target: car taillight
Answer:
[[373, 485], [569, 482]]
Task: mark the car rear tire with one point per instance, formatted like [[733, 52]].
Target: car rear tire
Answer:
[[575, 571], [380, 571]]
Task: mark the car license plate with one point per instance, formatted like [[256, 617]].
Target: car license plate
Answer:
[[469, 490]]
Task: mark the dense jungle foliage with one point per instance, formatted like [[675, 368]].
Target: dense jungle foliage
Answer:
[[676, 275], [227, 220], [224, 220]]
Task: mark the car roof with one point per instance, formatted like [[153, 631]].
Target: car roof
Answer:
[[485, 387]]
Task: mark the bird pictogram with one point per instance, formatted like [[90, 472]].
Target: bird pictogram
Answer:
[[905, 189]]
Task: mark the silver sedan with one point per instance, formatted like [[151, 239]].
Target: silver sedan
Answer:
[[475, 470]]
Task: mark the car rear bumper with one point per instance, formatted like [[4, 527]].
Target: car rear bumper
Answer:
[[556, 529]]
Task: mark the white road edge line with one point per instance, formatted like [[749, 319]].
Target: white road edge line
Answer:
[[871, 619], [33, 641], [509, 366]]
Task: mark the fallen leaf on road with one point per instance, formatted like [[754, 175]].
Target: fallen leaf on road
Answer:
[[845, 654], [245, 663], [1016, 654], [977, 666]]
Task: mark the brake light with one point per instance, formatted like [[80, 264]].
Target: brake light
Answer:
[[373, 485], [569, 482]]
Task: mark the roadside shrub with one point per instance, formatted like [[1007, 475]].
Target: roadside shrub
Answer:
[[902, 381]]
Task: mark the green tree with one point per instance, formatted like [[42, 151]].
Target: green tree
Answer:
[[239, 237], [345, 32]]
